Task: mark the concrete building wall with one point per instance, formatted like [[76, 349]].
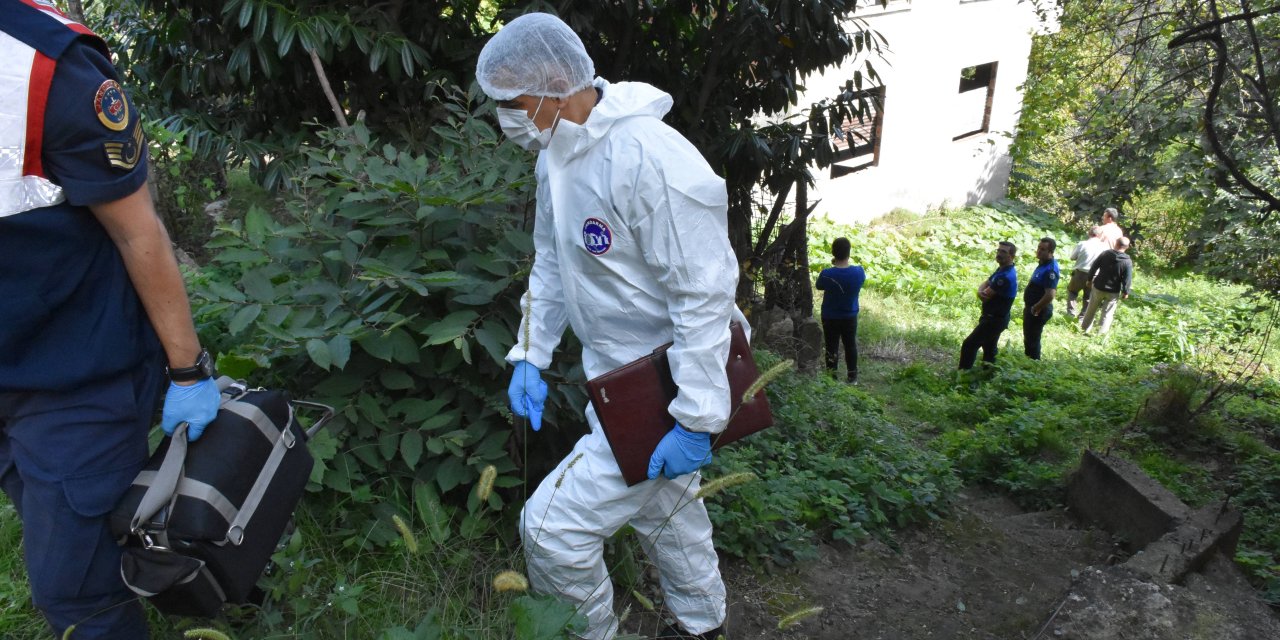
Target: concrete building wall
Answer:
[[919, 164]]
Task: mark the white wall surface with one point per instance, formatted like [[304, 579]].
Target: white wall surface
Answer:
[[920, 166]]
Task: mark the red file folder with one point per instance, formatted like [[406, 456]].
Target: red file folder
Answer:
[[631, 404]]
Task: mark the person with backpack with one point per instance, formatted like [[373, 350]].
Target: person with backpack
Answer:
[[1112, 275]]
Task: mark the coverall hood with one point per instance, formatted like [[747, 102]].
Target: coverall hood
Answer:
[[619, 100]]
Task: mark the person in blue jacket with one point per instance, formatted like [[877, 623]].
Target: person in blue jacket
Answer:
[[92, 308], [997, 294], [841, 283], [1038, 299]]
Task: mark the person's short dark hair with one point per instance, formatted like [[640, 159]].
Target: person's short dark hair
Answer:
[[840, 249], [1008, 246], [1053, 244]]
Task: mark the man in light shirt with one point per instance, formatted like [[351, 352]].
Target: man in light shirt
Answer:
[[1084, 254], [1111, 231]]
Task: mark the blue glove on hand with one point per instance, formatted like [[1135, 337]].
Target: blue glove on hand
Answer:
[[195, 404], [681, 451], [528, 393]]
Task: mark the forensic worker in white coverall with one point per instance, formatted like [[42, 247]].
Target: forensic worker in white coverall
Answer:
[[632, 251]]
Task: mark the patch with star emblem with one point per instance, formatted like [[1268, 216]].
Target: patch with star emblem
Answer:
[[111, 106], [125, 155]]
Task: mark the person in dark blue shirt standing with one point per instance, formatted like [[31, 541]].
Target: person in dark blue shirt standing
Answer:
[[1038, 298], [997, 294], [92, 308], [841, 284]]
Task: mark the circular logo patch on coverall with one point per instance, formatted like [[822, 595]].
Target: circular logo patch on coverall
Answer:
[[596, 236]]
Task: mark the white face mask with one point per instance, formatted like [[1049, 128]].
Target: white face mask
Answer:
[[520, 128]]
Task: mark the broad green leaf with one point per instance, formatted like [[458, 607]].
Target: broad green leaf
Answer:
[[411, 447], [340, 350], [258, 286], [243, 318], [319, 352], [451, 474], [395, 379], [450, 327]]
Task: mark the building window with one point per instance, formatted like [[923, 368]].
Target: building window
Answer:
[[973, 106], [857, 139]]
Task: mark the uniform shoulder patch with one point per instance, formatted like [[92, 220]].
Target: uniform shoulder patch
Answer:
[[111, 106], [125, 155], [596, 236]]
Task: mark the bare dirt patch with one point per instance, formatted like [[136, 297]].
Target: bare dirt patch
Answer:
[[989, 571]]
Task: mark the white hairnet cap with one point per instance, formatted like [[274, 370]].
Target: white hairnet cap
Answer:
[[536, 54]]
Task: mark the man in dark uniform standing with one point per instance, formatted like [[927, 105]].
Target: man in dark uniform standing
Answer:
[[997, 294], [1038, 298], [93, 309]]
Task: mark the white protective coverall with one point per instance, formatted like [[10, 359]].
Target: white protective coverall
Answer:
[[632, 250]]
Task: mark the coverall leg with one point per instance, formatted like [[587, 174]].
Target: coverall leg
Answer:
[[583, 502]]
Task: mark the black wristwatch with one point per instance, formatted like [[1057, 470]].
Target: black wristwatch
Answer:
[[203, 368]]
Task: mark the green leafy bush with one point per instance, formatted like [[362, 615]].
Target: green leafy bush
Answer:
[[388, 287], [832, 467]]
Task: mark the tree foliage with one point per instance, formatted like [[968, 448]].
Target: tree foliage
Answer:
[[388, 288], [240, 78], [735, 71], [1165, 107], [239, 75]]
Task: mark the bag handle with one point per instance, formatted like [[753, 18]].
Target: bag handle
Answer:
[[164, 487], [327, 414], [160, 493]]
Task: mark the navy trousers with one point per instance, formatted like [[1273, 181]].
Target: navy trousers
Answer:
[[1033, 329], [985, 336], [65, 460]]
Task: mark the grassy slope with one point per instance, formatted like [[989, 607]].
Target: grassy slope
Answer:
[[1024, 424]]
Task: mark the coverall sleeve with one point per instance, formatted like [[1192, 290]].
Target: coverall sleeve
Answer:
[[679, 215], [821, 284], [543, 316]]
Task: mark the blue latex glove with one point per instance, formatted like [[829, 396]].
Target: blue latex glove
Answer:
[[195, 404], [528, 393], [681, 451]]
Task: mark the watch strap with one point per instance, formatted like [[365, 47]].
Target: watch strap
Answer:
[[203, 368]]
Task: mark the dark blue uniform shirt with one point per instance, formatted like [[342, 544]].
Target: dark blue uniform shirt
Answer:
[[1046, 276], [1004, 283], [842, 286], [68, 311]]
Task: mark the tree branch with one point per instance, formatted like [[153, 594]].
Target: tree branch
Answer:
[[328, 91]]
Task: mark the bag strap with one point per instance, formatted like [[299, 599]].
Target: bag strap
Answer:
[[161, 491], [235, 533]]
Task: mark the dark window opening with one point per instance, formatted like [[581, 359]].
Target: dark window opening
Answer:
[[857, 139], [973, 106]]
